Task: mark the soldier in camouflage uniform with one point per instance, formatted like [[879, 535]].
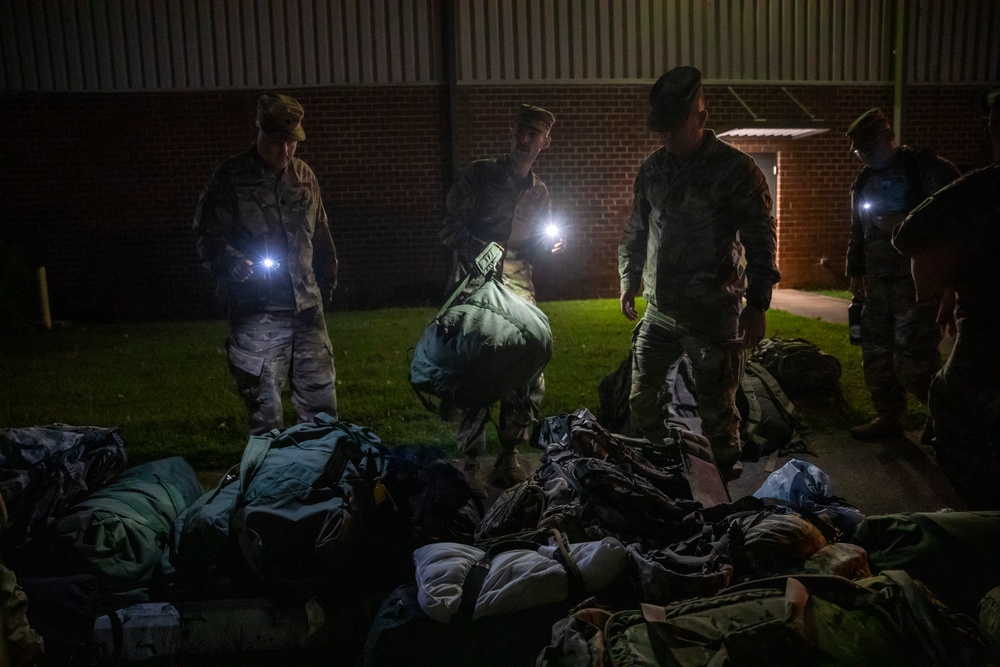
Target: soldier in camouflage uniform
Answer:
[[264, 235], [502, 200], [954, 240], [900, 339], [697, 203]]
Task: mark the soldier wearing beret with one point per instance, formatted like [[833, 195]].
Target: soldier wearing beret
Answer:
[[953, 238], [502, 200], [900, 338], [263, 234], [697, 204]]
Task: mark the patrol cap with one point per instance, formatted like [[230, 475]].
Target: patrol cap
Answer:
[[867, 127], [534, 117], [671, 96], [280, 117]]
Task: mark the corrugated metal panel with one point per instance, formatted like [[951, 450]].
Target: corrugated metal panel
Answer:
[[797, 41], [101, 45], [118, 45]]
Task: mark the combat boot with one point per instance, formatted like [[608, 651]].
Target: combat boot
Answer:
[[884, 427], [507, 470], [474, 476]]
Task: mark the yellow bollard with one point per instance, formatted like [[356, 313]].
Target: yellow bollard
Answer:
[[43, 296]]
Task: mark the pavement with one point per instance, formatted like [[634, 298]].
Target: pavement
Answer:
[[882, 477]]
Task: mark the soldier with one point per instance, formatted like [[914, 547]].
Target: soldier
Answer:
[[264, 236], [900, 339], [697, 203], [954, 239], [502, 200]]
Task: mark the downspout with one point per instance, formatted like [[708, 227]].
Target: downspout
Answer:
[[899, 72], [449, 49]]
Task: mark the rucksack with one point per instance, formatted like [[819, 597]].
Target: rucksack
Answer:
[[800, 620], [45, 469], [120, 533], [800, 367], [305, 517], [920, 542], [767, 414], [481, 344]]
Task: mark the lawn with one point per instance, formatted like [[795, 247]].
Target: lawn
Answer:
[[168, 388]]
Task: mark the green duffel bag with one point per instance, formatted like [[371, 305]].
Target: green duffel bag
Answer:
[[482, 345], [305, 515], [800, 620], [120, 533], [954, 554]]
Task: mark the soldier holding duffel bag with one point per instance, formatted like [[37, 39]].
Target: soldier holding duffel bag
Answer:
[[501, 200]]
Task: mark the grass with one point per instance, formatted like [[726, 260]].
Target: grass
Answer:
[[168, 387], [838, 293]]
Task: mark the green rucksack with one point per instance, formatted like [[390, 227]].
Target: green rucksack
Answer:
[[121, 533], [482, 343], [768, 420], [799, 620], [800, 367], [304, 516]]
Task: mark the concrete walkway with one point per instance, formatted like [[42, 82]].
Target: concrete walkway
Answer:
[[808, 304]]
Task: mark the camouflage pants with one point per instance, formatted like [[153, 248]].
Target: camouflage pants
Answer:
[[900, 341], [717, 369], [518, 411], [265, 350], [965, 405]]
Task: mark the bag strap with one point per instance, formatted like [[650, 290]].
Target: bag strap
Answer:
[[253, 455]]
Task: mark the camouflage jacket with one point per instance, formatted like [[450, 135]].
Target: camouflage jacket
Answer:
[[485, 205], [966, 212], [880, 199], [690, 221], [247, 212]]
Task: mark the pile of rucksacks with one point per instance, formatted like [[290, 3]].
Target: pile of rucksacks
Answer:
[[324, 544]]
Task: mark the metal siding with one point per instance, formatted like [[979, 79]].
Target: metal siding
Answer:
[[120, 45]]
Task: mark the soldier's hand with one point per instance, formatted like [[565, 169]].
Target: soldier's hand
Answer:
[[627, 302], [751, 326], [242, 270]]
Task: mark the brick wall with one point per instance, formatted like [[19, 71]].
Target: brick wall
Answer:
[[100, 189]]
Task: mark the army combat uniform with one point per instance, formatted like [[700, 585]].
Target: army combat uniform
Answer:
[[900, 337], [690, 221], [276, 319], [487, 204], [965, 394]]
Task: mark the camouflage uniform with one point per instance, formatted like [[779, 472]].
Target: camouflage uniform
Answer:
[[276, 319], [965, 394], [486, 204], [900, 337], [690, 221]]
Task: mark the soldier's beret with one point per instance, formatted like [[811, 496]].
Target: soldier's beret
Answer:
[[671, 96], [868, 125], [280, 117], [534, 117]]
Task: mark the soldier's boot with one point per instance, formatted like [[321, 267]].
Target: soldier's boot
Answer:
[[474, 476], [731, 472], [507, 470], [884, 427]]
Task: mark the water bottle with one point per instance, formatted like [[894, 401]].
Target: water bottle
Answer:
[[854, 319]]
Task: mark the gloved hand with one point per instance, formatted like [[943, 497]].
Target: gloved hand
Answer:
[[242, 270]]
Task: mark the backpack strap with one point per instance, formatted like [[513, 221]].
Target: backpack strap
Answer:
[[253, 455]]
